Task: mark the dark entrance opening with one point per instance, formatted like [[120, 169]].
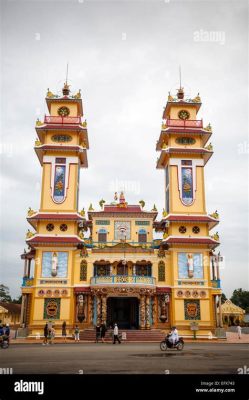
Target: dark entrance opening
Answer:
[[124, 311]]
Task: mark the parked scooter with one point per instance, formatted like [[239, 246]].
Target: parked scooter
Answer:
[[167, 344]]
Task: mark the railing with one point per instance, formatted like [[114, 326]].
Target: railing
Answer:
[[130, 279], [61, 120], [184, 123], [215, 283], [149, 245], [27, 281]]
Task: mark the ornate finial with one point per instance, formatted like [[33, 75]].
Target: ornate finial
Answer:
[[164, 145], [170, 98], [81, 234], [180, 93], [65, 90], [165, 213], [83, 143], [215, 214], [164, 126], [115, 196], [208, 128], [154, 208], [91, 207], [38, 122], [77, 95], [29, 234], [84, 123], [37, 143], [101, 203], [49, 94], [82, 212], [142, 203], [216, 236], [31, 212], [209, 147], [121, 198], [197, 99]]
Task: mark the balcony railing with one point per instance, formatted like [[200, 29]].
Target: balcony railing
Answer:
[[27, 281], [184, 123], [61, 120], [147, 245], [215, 283], [126, 279]]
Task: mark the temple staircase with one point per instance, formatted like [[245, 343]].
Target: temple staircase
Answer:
[[132, 335]]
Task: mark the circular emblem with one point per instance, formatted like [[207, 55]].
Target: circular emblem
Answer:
[[195, 293], [183, 114], [182, 229], [63, 111], [64, 292], [49, 292], [203, 293], [196, 229], [179, 293], [187, 293], [41, 292], [56, 292]]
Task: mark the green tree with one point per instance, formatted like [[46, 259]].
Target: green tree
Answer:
[[223, 298], [240, 297], [18, 300], [4, 294]]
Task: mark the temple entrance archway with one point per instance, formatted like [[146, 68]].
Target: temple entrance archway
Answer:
[[124, 311]]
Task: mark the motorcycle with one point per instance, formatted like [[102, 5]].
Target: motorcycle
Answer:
[[4, 342], [167, 344]]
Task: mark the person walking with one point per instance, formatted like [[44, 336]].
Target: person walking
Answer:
[[115, 332], [97, 333], [45, 331], [103, 330], [64, 331], [239, 330], [77, 334]]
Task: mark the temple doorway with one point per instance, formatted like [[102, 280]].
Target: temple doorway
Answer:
[[124, 311]]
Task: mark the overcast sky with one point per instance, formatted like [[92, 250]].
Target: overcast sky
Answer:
[[124, 56]]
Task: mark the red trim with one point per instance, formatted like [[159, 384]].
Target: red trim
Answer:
[[68, 217], [189, 218], [122, 209], [54, 239], [84, 289], [160, 290], [190, 240], [61, 120]]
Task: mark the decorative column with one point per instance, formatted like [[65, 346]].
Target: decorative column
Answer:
[[25, 268], [154, 310], [147, 312], [134, 269], [29, 267], [213, 268], [216, 311], [104, 308], [98, 309], [220, 312], [142, 311], [90, 309]]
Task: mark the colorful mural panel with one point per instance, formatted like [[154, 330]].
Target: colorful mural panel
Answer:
[[52, 308], [190, 265], [192, 309], [59, 183], [54, 264], [187, 185]]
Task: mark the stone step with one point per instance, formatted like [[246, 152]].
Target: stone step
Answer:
[[131, 335]]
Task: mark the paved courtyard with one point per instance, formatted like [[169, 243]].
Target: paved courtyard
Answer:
[[90, 358]]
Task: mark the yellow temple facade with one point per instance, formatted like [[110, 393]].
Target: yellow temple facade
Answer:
[[104, 265]]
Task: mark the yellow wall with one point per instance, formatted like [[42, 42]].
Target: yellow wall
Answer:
[[175, 109]]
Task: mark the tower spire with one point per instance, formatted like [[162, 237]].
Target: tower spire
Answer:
[[66, 89], [180, 92]]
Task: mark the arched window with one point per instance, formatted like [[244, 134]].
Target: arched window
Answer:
[[102, 235], [83, 270], [142, 236], [161, 271]]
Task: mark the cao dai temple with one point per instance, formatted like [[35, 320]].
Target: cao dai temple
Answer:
[[119, 272]]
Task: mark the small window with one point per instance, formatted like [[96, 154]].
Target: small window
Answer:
[[161, 271], [102, 236], [63, 227], [196, 229], [83, 270], [142, 236], [50, 227], [182, 229]]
